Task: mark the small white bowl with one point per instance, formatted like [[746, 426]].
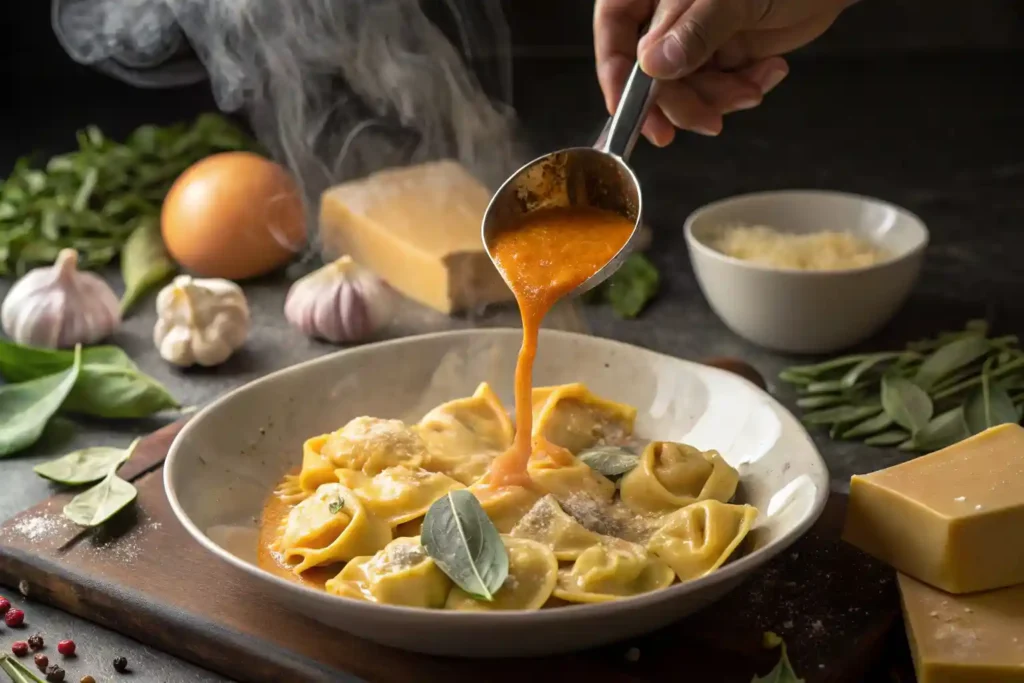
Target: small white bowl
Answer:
[[802, 311]]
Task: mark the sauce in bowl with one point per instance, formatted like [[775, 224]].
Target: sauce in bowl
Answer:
[[548, 255]]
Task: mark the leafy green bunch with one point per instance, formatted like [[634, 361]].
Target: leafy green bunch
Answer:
[[928, 396]]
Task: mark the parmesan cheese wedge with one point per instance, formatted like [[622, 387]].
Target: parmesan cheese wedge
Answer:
[[418, 228]]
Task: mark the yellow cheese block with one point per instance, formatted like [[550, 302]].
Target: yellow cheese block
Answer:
[[953, 519], [977, 638], [418, 228]]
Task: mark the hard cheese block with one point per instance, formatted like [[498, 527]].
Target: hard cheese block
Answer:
[[977, 638], [418, 228], [953, 519]]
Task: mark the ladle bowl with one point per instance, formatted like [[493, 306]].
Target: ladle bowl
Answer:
[[597, 177]]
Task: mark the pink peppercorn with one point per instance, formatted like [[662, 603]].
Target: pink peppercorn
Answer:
[[66, 648], [20, 648], [5, 605], [14, 618]]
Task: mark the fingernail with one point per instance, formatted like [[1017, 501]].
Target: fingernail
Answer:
[[744, 104], [665, 59], [710, 132], [771, 79]]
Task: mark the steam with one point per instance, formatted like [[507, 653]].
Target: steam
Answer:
[[335, 89]]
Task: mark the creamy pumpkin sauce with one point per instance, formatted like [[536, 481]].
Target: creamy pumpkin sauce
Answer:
[[551, 253], [275, 513]]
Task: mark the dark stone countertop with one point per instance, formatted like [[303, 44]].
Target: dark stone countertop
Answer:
[[939, 135]]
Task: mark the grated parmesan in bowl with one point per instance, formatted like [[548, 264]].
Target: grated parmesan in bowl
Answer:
[[823, 250]]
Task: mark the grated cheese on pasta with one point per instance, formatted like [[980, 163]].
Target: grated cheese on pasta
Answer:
[[825, 250]]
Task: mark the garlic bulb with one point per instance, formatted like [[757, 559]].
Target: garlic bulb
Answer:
[[200, 321], [59, 306], [341, 302]]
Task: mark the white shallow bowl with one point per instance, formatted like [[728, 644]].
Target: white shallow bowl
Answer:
[[228, 458], [801, 311]]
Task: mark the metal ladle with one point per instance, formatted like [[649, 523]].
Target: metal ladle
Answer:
[[595, 176]]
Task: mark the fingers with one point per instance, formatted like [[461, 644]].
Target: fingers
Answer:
[[616, 29], [748, 46], [685, 34]]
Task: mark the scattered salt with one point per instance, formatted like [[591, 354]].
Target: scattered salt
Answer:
[[787, 624], [37, 527]]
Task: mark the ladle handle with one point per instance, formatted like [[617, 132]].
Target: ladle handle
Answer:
[[622, 130]]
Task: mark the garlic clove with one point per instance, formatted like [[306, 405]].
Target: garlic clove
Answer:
[[341, 302], [59, 306]]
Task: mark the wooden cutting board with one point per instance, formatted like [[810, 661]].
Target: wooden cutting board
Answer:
[[145, 577]]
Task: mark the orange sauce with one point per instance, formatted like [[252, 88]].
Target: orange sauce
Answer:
[[548, 255], [275, 513]]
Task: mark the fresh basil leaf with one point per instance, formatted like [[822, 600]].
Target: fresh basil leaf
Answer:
[[25, 408], [117, 392], [906, 403], [854, 374], [950, 358], [96, 505], [891, 437], [611, 461], [630, 288], [145, 263], [987, 406], [870, 426], [943, 430], [821, 401], [783, 671], [83, 466], [464, 543]]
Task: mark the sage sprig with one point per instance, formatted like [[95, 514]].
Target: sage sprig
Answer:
[[465, 544], [611, 461], [930, 395], [96, 505], [83, 466]]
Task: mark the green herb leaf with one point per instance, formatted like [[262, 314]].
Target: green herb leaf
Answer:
[[892, 437], [145, 263], [870, 426], [783, 671], [336, 506], [611, 461], [821, 401], [839, 414], [96, 505], [906, 403], [26, 408], [943, 430], [19, 363], [83, 466], [18, 672], [854, 374], [828, 366], [464, 543], [630, 288], [987, 406], [950, 358], [115, 392]]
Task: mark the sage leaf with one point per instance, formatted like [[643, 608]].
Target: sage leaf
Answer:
[[25, 408], [854, 374], [828, 366], [96, 505], [464, 543], [906, 403], [611, 461], [117, 392], [847, 413], [630, 288], [887, 438], [83, 466], [949, 358], [20, 363], [783, 671], [820, 401], [145, 263], [794, 377], [943, 430], [987, 406], [870, 426]]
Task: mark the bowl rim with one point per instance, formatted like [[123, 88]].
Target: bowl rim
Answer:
[[696, 244], [733, 570]]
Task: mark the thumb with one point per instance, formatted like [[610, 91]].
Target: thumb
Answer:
[[680, 42]]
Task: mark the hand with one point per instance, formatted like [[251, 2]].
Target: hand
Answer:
[[713, 56]]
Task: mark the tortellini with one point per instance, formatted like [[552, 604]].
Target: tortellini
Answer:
[[699, 538], [548, 524], [331, 526], [671, 476], [465, 435], [573, 418], [400, 574], [610, 570], [398, 494], [532, 572], [505, 505], [371, 445], [555, 470]]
